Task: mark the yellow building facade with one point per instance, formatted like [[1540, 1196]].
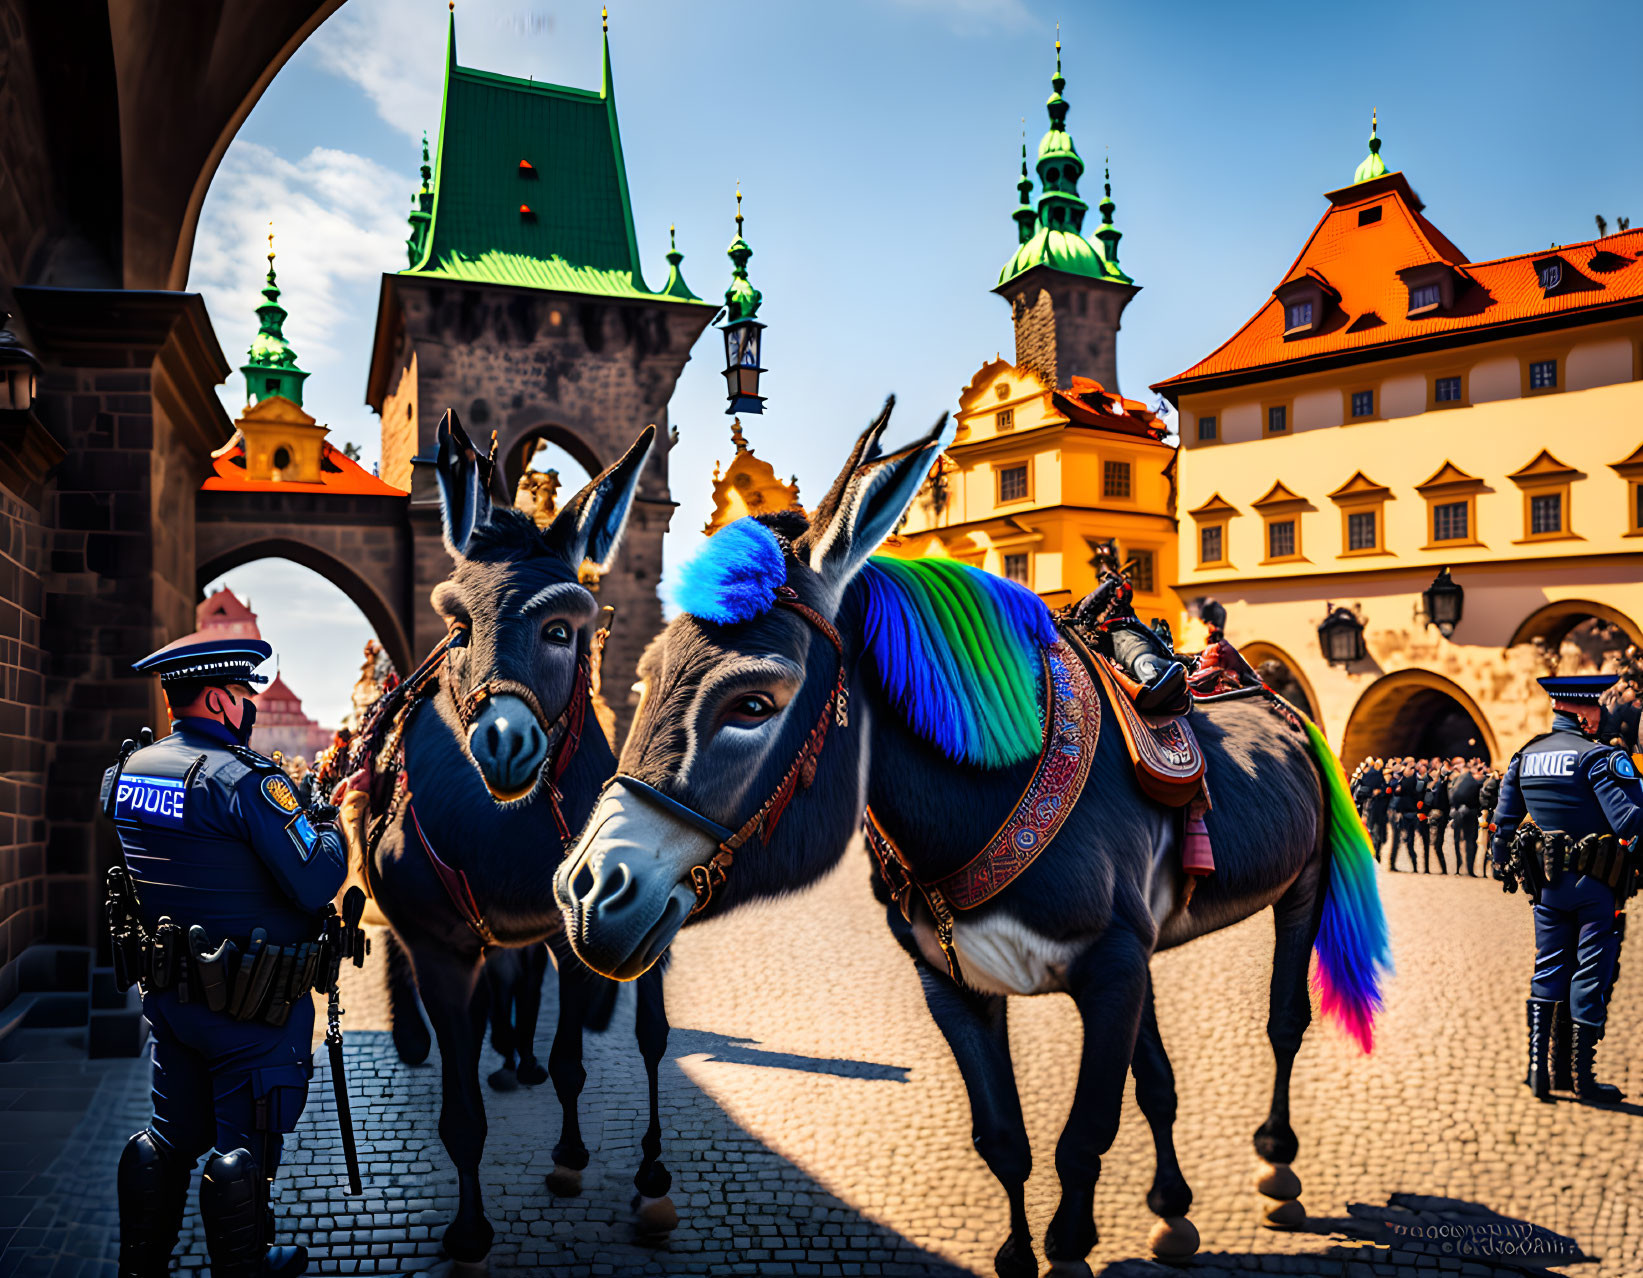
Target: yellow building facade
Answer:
[[1394, 409], [1036, 480]]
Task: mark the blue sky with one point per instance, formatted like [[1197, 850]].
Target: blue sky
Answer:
[[877, 144]]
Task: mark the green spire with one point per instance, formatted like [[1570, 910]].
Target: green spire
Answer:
[[1059, 165], [1373, 166], [450, 36], [271, 364], [1108, 234], [741, 298], [422, 209], [676, 286], [1026, 218], [607, 86]]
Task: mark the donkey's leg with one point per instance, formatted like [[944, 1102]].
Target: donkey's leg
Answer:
[[456, 1002], [1295, 918], [501, 977], [533, 969], [570, 1155], [1170, 1197], [654, 1209], [977, 1031], [1108, 982], [410, 1031]]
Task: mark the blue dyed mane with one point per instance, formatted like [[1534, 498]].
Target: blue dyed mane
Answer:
[[958, 650]]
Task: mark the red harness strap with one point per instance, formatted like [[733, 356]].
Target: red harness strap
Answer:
[[455, 884]]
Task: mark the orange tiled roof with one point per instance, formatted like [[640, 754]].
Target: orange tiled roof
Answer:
[[342, 475], [1088, 403], [1361, 263]]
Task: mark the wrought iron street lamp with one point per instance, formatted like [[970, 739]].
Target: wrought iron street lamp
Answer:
[[743, 333], [1341, 637], [1445, 601]]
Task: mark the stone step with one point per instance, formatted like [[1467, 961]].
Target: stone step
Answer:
[[116, 1026]]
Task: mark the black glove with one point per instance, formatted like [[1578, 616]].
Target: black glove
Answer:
[[324, 814]]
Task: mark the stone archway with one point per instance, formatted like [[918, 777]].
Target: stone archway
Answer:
[[1553, 622], [1416, 712], [1298, 688], [390, 628], [516, 456]]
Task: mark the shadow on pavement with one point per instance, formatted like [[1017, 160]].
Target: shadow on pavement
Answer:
[[746, 1051]]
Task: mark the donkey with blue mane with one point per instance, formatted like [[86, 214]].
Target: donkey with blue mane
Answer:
[[487, 759], [804, 673]]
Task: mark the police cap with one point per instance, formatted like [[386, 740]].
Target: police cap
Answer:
[[1579, 689], [216, 661]]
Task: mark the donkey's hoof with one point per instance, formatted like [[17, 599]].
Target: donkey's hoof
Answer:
[[1288, 1214], [655, 1217], [1174, 1238], [564, 1182], [411, 1042], [1277, 1180], [503, 1080], [1015, 1259], [531, 1074], [1070, 1269]]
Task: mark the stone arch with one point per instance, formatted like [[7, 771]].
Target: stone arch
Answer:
[[1554, 621], [517, 455], [1416, 712], [1259, 651], [390, 629]]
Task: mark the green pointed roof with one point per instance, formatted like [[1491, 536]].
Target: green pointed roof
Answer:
[[530, 189], [1053, 236], [676, 286], [270, 367], [741, 298], [422, 210], [1373, 166]]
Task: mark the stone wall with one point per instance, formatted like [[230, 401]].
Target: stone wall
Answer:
[[1067, 326]]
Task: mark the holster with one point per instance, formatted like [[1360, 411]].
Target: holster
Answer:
[[1525, 864]]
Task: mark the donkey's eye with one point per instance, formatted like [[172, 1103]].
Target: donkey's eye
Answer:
[[556, 632], [750, 707]]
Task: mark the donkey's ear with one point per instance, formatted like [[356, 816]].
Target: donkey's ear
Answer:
[[590, 525], [867, 500], [463, 499]]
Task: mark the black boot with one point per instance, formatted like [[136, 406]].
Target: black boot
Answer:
[[1540, 1028], [1166, 689], [1586, 1086], [1562, 1049], [238, 1222], [153, 1189]]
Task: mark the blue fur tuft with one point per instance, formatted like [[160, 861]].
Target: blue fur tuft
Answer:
[[734, 577]]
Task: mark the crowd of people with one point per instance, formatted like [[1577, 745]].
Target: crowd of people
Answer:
[[1426, 802]]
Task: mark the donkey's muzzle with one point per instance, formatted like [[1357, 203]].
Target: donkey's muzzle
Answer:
[[509, 746]]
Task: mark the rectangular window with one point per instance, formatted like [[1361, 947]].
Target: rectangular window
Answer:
[[1298, 315], [1360, 530], [1209, 544], [1363, 403], [1006, 419], [1449, 522], [1543, 374], [1446, 390], [1012, 483], [1206, 428], [1545, 514], [1015, 568], [1369, 216], [1637, 506], [1551, 275], [1423, 296], [1115, 479], [1277, 420], [1280, 539], [1141, 571]]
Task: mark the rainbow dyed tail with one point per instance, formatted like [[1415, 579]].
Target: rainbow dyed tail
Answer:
[[1354, 950]]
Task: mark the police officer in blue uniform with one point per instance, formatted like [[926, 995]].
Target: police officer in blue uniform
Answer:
[[217, 910], [1568, 808]]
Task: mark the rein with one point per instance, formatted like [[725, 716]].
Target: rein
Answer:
[[705, 879]]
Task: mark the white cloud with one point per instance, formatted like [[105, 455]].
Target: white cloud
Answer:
[[393, 52]]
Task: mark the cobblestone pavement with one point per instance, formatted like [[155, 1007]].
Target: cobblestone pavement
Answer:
[[815, 1122]]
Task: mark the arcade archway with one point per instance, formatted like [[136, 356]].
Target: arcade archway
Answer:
[[1417, 713], [1282, 674], [1578, 635], [521, 455]]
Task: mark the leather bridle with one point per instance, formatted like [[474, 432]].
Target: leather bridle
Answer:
[[705, 879]]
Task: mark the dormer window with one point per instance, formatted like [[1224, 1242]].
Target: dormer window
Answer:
[[1424, 297], [1298, 315], [1432, 287], [1551, 275], [1306, 300]]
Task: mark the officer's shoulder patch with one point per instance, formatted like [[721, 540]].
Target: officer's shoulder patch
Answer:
[[259, 762], [277, 790], [303, 836], [1623, 767]]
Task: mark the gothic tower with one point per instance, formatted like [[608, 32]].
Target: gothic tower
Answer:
[[524, 308], [1066, 294]]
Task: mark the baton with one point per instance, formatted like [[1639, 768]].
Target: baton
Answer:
[[353, 906]]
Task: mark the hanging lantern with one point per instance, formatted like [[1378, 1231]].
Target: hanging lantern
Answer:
[[743, 332], [19, 371], [1341, 637], [1445, 601]]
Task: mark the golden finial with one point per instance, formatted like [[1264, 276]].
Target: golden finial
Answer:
[[604, 19], [738, 206], [672, 239], [1058, 47], [451, 5], [1373, 120], [270, 244]]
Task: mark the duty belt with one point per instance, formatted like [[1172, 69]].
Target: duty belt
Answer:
[[246, 978], [1538, 858]]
